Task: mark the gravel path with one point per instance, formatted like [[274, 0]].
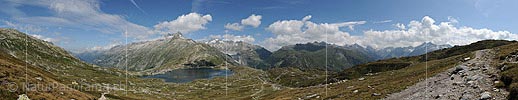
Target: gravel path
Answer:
[[471, 80]]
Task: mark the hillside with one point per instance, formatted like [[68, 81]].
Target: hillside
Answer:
[[375, 80], [48, 64], [15, 73]]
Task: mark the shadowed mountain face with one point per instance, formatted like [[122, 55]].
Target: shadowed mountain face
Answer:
[[162, 55], [313, 56], [243, 53]]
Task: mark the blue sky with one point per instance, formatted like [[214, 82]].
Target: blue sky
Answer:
[[78, 25]]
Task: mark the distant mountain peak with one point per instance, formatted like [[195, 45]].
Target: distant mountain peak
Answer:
[[177, 35]]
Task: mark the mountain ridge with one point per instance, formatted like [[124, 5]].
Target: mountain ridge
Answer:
[[159, 56]]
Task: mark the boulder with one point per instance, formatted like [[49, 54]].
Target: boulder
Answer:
[[485, 96]]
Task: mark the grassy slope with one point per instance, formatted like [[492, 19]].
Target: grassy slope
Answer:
[[509, 75], [15, 73], [390, 76], [55, 65]]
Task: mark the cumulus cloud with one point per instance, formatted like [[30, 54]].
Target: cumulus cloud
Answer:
[[252, 20], [427, 30], [289, 32], [79, 14], [230, 37], [185, 23], [234, 26], [400, 26]]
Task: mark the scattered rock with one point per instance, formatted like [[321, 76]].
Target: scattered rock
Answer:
[[496, 89], [102, 97], [471, 83], [39, 78], [376, 94], [452, 77], [466, 59], [311, 96], [437, 97], [475, 77], [23, 97], [497, 82], [503, 68], [485, 96], [474, 68], [458, 69], [361, 79], [369, 74], [74, 83]]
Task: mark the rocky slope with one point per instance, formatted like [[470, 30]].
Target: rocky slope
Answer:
[[153, 57], [471, 80], [244, 53]]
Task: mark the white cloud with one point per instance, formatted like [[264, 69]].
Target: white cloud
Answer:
[[138, 7], [106, 47], [385, 21], [230, 37], [426, 30], [289, 32], [252, 20], [234, 26], [185, 23], [23, 27], [81, 14], [453, 20], [400, 26]]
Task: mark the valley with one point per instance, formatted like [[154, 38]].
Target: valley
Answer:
[[293, 72]]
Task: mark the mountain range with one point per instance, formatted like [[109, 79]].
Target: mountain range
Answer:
[[158, 56], [174, 51], [26, 61], [244, 53]]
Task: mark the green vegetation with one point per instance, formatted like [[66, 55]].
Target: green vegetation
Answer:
[[294, 77], [312, 56], [390, 75], [290, 79], [508, 55], [398, 63], [383, 83], [49, 64]]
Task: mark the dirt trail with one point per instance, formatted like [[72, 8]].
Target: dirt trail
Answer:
[[471, 80]]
